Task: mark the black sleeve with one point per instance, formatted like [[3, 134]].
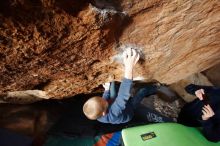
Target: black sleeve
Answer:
[[192, 88], [210, 130]]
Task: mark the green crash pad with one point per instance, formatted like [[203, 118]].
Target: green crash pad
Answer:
[[164, 134]]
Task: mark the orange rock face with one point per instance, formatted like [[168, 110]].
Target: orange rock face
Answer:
[[69, 47], [178, 38], [46, 46]]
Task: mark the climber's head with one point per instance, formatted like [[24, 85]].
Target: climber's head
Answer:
[[95, 107]]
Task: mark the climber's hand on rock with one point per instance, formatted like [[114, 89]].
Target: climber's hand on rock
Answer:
[[130, 58], [199, 93], [106, 86]]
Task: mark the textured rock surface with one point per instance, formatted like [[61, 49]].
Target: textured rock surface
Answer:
[[213, 75], [69, 47], [46, 46], [33, 119], [178, 38]]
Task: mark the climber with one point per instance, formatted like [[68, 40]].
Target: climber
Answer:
[[203, 111], [120, 109]]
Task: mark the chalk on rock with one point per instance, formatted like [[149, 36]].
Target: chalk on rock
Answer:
[[119, 57]]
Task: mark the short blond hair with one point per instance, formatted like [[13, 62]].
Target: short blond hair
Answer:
[[94, 108]]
